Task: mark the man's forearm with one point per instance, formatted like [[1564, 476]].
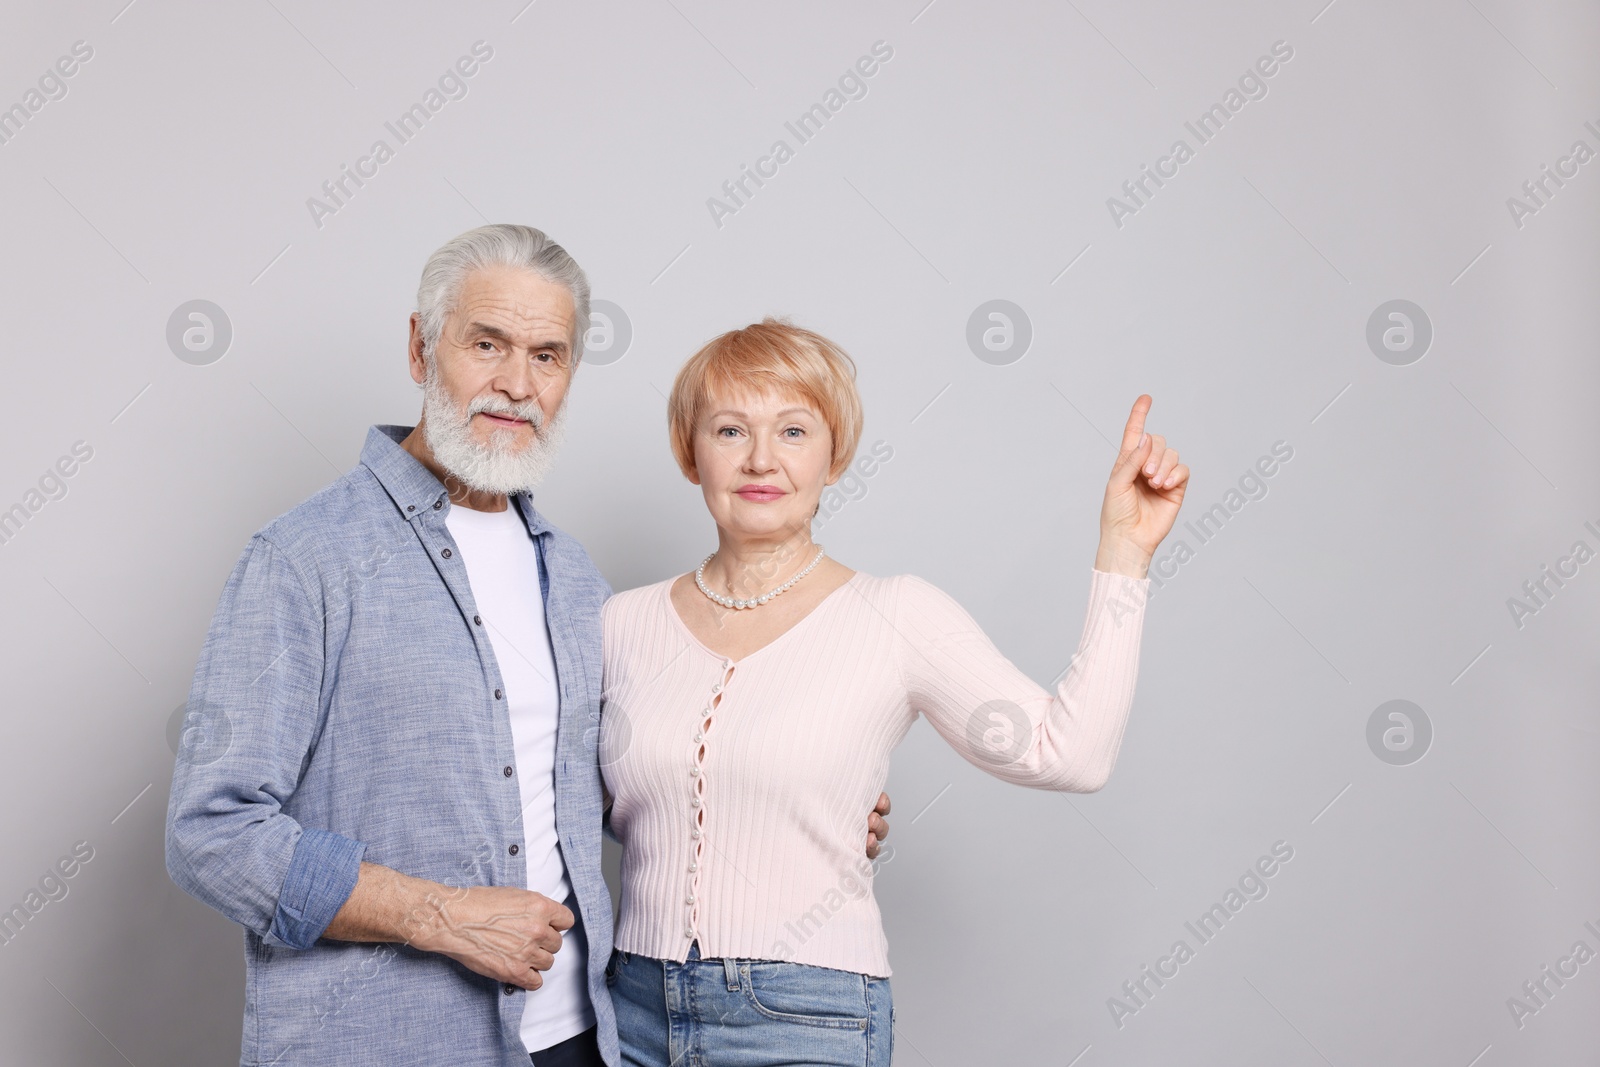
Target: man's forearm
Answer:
[[389, 906]]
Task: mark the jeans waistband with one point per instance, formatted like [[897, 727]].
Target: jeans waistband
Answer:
[[730, 966]]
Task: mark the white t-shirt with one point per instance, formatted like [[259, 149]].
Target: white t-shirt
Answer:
[[503, 570]]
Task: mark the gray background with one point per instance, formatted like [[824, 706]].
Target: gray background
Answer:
[[1378, 566]]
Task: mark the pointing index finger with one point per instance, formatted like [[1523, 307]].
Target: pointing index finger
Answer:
[[1135, 428]]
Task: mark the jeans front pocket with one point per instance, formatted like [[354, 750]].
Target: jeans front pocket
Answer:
[[618, 959], [801, 993]]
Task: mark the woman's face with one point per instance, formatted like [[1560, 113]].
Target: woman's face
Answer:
[[762, 461]]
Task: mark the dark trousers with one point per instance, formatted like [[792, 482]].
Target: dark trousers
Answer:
[[579, 1051]]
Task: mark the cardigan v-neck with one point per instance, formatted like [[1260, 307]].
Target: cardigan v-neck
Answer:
[[688, 632]]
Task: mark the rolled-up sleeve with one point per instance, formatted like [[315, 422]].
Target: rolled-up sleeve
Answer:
[[253, 718]]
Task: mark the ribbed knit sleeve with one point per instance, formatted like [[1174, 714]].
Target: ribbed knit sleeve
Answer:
[[1001, 720]]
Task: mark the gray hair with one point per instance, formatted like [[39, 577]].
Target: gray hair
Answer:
[[502, 244]]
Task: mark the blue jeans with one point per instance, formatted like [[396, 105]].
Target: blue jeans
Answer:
[[748, 1013]]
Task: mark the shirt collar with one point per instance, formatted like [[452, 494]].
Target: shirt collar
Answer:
[[413, 487]]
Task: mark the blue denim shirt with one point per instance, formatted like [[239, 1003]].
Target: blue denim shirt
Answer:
[[346, 706]]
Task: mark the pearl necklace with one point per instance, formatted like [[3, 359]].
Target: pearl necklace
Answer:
[[730, 602]]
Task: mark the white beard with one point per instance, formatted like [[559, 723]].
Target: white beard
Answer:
[[498, 467]]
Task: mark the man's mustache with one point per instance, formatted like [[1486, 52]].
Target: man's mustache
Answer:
[[530, 412]]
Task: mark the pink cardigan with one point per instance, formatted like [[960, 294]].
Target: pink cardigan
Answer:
[[741, 787]]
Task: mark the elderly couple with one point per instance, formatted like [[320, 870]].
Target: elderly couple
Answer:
[[434, 706]]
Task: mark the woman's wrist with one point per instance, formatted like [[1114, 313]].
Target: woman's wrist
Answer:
[[1116, 556]]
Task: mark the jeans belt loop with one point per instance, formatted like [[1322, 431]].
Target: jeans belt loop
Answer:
[[730, 971]]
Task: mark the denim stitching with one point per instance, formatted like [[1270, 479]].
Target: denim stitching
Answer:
[[832, 1022]]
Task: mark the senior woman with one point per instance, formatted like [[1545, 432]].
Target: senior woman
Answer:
[[750, 707]]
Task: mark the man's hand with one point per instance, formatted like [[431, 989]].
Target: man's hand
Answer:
[[877, 826], [506, 933], [502, 932]]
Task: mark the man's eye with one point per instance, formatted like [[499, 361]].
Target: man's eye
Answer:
[[485, 346]]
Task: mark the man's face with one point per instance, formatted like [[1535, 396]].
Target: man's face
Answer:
[[496, 386]]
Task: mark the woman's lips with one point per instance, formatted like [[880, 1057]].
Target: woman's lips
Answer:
[[761, 494]]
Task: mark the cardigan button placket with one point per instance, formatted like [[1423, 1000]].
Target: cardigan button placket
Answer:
[[697, 793]]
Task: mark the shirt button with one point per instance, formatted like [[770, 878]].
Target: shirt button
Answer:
[[445, 553], [512, 850], [694, 833], [694, 802], [411, 507], [717, 688], [437, 504], [700, 737], [508, 989], [497, 694], [689, 899], [477, 620], [688, 932], [694, 772], [693, 867], [509, 772]]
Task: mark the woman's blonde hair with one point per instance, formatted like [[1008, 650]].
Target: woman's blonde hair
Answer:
[[770, 355]]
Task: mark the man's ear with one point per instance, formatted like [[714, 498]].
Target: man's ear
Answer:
[[414, 357]]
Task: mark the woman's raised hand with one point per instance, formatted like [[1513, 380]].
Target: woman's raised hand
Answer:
[[1142, 497]]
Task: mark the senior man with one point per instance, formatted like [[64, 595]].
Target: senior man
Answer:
[[396, 790]]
